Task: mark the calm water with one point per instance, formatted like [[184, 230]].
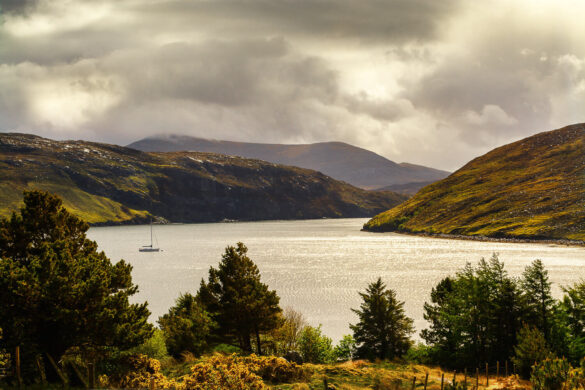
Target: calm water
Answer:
[[318, 266]]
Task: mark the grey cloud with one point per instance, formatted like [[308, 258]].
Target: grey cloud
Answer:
[[17, 6], [373, 20]]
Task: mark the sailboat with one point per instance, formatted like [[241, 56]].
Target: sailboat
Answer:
[[149, 248]]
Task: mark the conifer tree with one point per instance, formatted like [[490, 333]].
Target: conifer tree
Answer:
[[56, 290], [241, 304], [187, 326], [383, 329], [538, 300]]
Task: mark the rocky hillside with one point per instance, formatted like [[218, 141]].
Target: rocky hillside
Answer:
[[533, 188], [359, 167], [111, 184]]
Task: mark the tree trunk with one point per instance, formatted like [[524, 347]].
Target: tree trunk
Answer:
[[258, 346]]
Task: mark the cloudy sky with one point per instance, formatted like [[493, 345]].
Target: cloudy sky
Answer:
[[423, 81]]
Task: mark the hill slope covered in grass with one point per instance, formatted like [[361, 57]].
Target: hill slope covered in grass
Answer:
[[530, 189], [341, 161], [112, 184]]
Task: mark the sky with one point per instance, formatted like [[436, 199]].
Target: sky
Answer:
[[422, 81]]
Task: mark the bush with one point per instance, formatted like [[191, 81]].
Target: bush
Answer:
[[154, 347], [531, 348], [345, 350], [419, 354], [223, 373], [276, 370], [551, 374], [136, 371], [314, 346]]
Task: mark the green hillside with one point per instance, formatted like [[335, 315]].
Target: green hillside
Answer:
[[111, 184], [533, 188]]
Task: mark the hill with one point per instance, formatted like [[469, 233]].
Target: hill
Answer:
[[530, 189], [359, 167], [112, 184]]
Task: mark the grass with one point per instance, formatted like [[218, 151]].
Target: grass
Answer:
[[533, 188]]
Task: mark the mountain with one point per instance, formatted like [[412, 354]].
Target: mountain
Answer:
[[112, 184], [533, 188], [359, 167]]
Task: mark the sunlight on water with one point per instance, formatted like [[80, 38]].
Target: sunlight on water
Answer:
[[318, 266]]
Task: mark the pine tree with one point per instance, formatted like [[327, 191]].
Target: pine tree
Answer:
[[241, 304], [187, 326], [57, 291], [538, 301], [383, 329]]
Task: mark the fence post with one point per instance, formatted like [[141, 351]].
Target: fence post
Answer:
[[454, 378], [442, 380], [477, 378], [17, 364], [426, 381], [152, 385], [487, 376], [498, 370], [91, 375], [413, 382], [465, 378], [506, 368]]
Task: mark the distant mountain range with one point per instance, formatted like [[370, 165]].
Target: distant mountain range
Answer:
[[108, 184], [533, 188], [341, 161]]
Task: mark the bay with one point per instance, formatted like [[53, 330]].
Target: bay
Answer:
[[318, 266]]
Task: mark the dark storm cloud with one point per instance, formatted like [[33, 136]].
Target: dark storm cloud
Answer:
[[373, 20], [17, 6]]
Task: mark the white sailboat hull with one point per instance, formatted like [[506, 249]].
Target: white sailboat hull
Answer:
[[148, 249]]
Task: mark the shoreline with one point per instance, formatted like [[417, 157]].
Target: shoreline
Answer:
[[511, 240]]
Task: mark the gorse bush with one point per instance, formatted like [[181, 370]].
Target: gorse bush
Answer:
[[276, 369], [223, 373], [243, 372], [136, 371]]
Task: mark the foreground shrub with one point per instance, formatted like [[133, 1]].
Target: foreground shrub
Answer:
[[531, 348], [277, 370], [551, 374], [223, 373], [136, 371]]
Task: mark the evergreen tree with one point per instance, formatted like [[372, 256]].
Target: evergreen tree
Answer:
[[442, 314], [531, 348], [383, 329], [538, 301], [570, 320], [241, 304], [187, 326], [474, 317], [57, 291]]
